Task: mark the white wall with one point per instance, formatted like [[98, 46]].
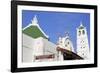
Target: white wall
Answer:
[[49, 46], [5, 49], [27, 50]]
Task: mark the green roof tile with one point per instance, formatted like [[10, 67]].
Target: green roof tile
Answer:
[[34, 32]]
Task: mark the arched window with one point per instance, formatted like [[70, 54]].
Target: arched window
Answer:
[[79, 32], [83, 32], [60, 41], [68, 43]]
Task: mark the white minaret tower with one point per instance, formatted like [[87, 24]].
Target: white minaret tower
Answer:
[[82, 42]]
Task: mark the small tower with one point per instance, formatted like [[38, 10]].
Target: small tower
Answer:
[[82, 42], [65, 43]]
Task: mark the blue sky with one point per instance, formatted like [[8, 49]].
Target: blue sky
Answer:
[[54, 23]]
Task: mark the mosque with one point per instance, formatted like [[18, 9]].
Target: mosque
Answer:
[[36, 46]]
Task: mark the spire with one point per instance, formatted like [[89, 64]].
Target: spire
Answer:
[[81, 25], [34, 20]]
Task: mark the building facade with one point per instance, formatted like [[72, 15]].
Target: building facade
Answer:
[[65, 43], [36, 46]]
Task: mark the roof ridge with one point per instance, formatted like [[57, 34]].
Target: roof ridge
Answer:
[[35, 23]]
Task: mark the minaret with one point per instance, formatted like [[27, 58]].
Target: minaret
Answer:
[[82, 42]]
